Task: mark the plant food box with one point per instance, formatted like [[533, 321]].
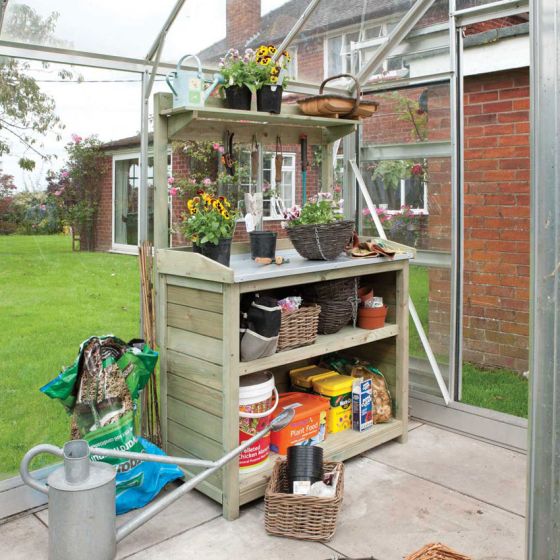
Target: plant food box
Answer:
[[303, 378], [309, 425], [362, 405], [338, 389]]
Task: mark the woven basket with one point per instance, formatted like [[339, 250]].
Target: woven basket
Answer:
[[298, 328], [321, 242], [300, 517], [437, 551], [337, 299]]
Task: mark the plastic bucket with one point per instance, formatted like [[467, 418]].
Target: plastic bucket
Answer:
[[258, 399], [263, 244]]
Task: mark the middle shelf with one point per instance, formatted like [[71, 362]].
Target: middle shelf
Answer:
[[325, 344]]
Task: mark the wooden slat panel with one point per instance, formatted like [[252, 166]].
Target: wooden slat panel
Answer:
[[195, 370], [193, 442], [195, 419], [200, 299], [211, 486], [193, 344], [194, 394], [192, 265], [193, 283], [194, 320]]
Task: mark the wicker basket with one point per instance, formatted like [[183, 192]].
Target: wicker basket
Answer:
[[338, 301], [321, 242], [298, 328], [437, 551], [300, 517]]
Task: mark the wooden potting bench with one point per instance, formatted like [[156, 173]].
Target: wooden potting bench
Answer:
[[198, 302]]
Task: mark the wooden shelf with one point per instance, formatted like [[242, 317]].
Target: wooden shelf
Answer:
[[337, 447], [325, 343], [210, 122]]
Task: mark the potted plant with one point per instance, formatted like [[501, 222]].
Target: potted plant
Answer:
[[318, 230], [271, 78], [210, 224], [240, 77]]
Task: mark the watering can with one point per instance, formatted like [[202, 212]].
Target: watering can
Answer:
[[82, 519], [188, 85]]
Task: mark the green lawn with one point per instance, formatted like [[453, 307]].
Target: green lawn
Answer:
[[497, 389], [51, 300]]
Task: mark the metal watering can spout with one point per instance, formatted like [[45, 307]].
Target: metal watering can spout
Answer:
[[188, 85], [82, 519]]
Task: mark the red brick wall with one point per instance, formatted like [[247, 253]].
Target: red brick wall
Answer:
[[104, 222], [497, 213]]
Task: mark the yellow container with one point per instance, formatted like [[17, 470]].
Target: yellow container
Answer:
[[338, 389], [303, 378]]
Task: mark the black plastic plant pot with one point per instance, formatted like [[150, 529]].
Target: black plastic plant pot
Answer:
[[263, 244], [219, 253], [238, 97], [269, 100]]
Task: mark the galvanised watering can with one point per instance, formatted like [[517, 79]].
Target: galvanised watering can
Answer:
[[188, 85], [82, 494]]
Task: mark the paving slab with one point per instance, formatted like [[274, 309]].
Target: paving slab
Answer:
[[486, 472], [242, 539], [189, 511], [388, 514], [24, 538]]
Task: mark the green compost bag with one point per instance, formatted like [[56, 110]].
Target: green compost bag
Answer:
[[99, 391]]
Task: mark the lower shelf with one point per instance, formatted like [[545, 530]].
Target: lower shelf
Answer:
[[337, 447]]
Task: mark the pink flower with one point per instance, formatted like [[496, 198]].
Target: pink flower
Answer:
[[173, 191], [337, 188], [221, 149], [76, 138], [43, 207], [57, 193], [207, 182], [366, 212], [65, 174], [216, 146], [170, 180], [416, 169]]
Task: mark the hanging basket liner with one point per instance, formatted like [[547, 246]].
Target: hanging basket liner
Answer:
[[331, 105]]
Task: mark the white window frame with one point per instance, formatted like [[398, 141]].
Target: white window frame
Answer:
[[291, 167]]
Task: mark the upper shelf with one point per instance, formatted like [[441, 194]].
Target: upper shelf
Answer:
[[210, 122]]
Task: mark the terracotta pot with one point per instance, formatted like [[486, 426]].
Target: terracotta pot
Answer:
[[365, 294], [372, 317]]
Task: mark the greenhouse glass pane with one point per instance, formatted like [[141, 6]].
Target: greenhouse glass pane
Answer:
[[125, 28]]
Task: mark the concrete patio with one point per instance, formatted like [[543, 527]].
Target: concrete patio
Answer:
[[441, 487]]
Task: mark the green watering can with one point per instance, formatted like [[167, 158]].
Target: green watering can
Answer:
[[188, 85]]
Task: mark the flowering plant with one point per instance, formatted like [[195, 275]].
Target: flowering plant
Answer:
[[320, 209], [239, 70], [209, 219], [268, 71]]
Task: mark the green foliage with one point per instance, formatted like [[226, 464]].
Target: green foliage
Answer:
[[239, 70], [209, 219], [315, 211], [409, 111]]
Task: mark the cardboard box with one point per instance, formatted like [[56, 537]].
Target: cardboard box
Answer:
[[362, 405]]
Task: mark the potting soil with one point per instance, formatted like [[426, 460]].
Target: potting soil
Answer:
[[100, 391]]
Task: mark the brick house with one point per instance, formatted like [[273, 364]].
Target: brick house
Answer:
[[496, 154]]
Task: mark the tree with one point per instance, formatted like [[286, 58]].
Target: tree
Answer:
[[26, 113]]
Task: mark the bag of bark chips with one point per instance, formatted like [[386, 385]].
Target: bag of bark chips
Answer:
[[99, 391]]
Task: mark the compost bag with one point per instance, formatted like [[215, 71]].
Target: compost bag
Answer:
[[100, 391]]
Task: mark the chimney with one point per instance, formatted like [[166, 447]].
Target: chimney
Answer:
[[243, 21]]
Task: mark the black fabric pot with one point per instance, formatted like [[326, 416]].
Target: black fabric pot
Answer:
[[239, 97], [269, 101], [219, 253], [263, 244]]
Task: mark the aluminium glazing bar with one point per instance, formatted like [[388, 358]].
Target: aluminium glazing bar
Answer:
[[413, 313], [490, 11], [295, 29], [543, 484], [402, 29], [165, 28]]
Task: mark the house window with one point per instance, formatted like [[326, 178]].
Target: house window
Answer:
[[346, 53], [126, 185], [278, 192], [395, 184]]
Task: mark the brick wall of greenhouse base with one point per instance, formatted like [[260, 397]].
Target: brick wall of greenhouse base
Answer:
[[104, 225]]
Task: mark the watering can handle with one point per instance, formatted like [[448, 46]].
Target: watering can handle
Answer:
[[190, 56], [170, 84], [28, 457]]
